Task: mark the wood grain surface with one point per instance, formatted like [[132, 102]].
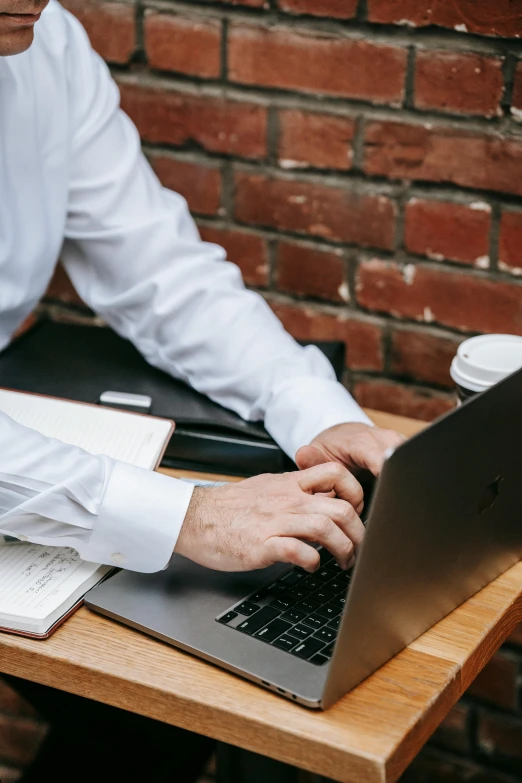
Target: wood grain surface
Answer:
[[370, 735]]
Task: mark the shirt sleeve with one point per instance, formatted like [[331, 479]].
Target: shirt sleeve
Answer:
[[135, 256], [109, 511]]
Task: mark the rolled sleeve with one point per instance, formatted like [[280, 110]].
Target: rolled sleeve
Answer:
[[139, 521]]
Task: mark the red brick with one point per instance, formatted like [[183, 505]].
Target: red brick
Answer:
[[423, 356], [500, 737], [453, 81], [11, 703], [415, 152], [363, 339], [302, 269], [516, 100], [186, 45], [19, 739], [452, 733], [504, 17], [111, 27], [445, 230], [451, 298], [333, 9], [283, 57], [510, 242], [320, 210], [219, 125], [312, 139], [248, 251], [497, 682], [9, 774], [402, 400], [199, 184], [61, 289]]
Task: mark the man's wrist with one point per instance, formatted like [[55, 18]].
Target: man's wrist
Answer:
[[305, 407], [140, 519]]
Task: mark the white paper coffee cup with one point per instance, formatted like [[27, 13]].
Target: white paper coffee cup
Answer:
[[483, 361]]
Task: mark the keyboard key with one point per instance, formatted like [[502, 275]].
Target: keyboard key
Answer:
[[258, 620], [246, 608], [344, 576], [308, 605], [319, 659], [339, 600], [295, 593], [285, 642], [272, 590], [329, 611], [328, 650], [310, 583], [324, 574], [334, 566], [227, 617], [293, 616], [308, 648], [335, 623], [300, 631], [322, 596], [292, 578], [282, 603], [314, 621], [325, 634], [275, 589], [273, 630], [335, 586], [325, 555]]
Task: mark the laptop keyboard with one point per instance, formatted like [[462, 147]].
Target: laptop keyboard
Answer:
[[299, 613]]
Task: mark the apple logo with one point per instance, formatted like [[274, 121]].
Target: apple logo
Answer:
[[490, 495]]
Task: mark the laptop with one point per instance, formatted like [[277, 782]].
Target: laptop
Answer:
[[444, 520]]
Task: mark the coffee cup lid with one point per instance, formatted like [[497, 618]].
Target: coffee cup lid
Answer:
[[482, 361]]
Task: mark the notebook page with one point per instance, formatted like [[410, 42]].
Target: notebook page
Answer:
[[123, 436], [35, 580]]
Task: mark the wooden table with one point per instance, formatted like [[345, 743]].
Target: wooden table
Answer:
[[371, 735]]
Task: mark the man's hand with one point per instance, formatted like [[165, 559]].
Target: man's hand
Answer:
[[356, 446], [267, 519]]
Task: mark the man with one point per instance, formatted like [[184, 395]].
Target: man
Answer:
[[73, 182]]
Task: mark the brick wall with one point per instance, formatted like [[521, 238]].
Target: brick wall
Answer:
[[361, 160]]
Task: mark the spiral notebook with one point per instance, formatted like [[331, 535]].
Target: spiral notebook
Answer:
[[40, 586]]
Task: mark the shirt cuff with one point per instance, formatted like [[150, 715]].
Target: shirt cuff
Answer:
[[139, 521], [302, 408]]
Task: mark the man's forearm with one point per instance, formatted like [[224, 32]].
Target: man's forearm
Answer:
[[109, 511]]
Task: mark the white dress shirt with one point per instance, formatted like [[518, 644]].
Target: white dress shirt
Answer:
[[74, 184]]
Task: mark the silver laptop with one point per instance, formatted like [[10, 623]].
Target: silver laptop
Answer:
[[444, 521]]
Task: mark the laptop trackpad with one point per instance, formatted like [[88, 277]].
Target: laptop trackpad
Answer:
[[183, 590]]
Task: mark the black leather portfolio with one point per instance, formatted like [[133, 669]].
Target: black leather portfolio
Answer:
[[81, 362]]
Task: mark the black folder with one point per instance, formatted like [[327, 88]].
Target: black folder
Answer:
[[81, 362]]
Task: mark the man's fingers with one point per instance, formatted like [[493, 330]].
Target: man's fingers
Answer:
[[319, 529], [391, 438], [340, 512], [371, 453], [332, 475], [280, 549], [308, 456], [369, 456]]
